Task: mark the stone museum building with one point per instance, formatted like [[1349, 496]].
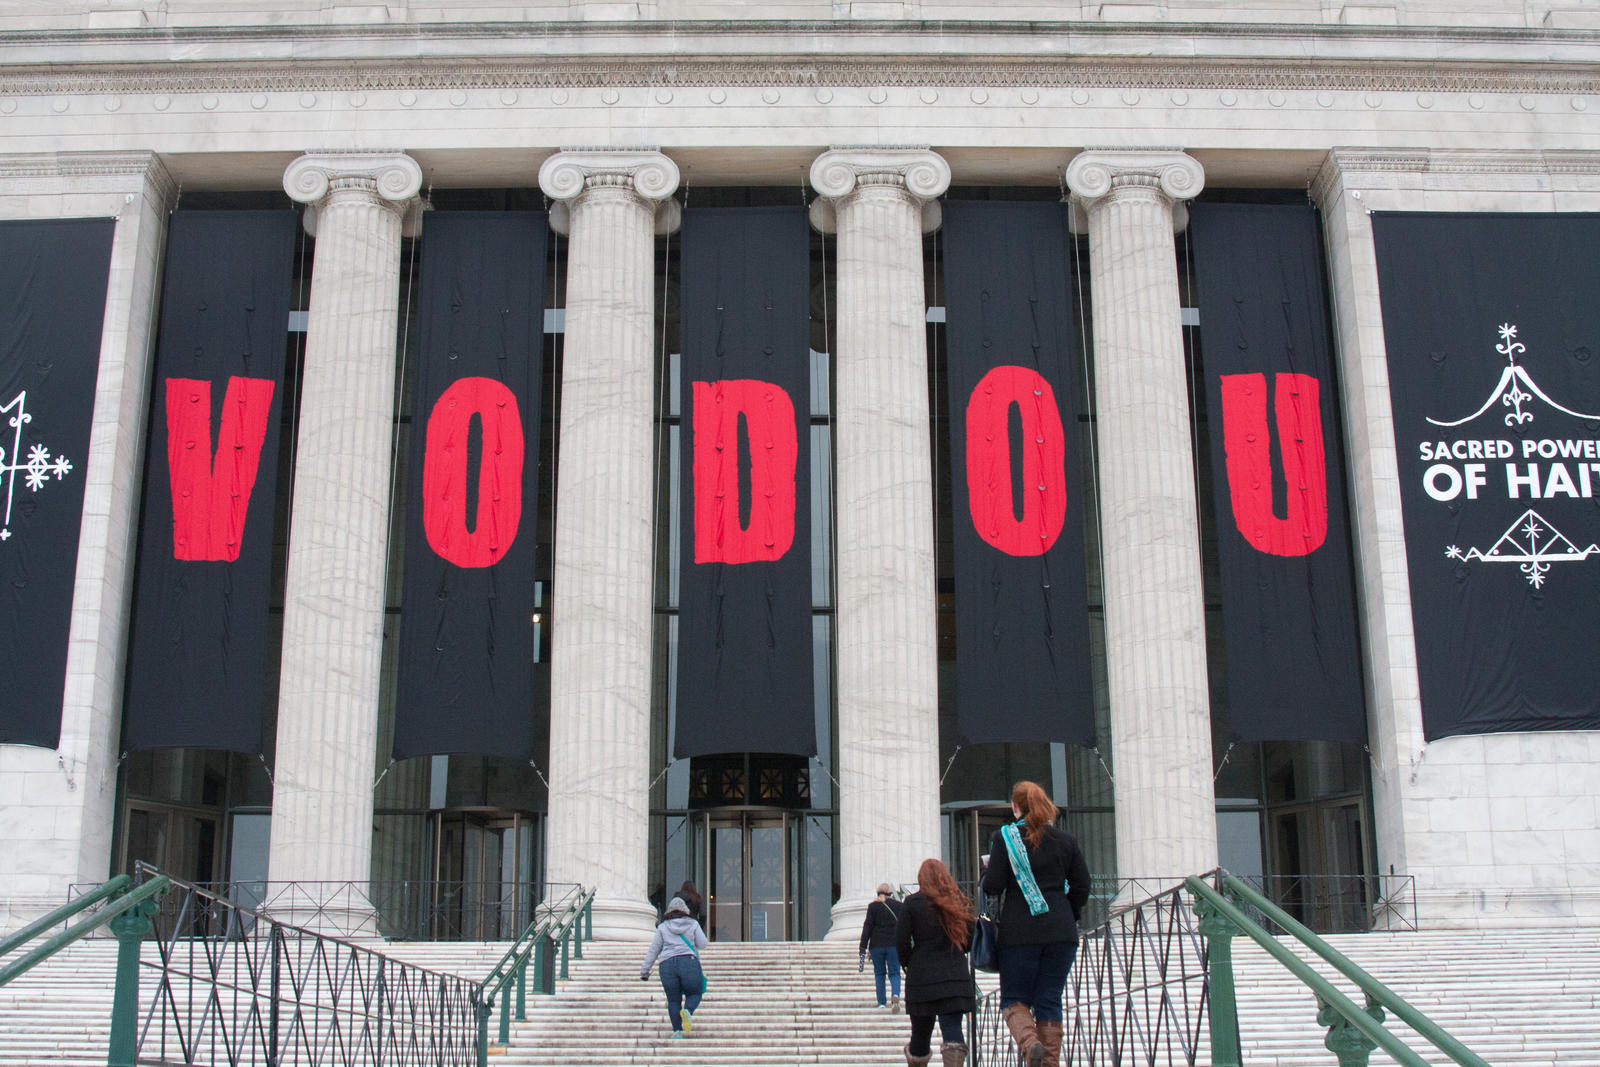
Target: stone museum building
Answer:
[[453, 446]]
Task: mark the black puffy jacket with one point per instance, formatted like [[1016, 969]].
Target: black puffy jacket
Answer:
[[1057, 863]]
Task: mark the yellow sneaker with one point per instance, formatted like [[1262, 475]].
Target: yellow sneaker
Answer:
[[687, 1017]]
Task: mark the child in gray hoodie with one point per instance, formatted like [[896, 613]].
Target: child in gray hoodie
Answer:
[[677, 946]]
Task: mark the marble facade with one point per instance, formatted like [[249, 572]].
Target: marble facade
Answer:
[[117, 107]]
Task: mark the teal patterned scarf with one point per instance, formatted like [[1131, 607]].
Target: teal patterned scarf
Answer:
[[1012, 836]]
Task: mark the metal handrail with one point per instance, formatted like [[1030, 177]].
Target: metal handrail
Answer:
[[406, 909], [571, 925], [111, 888], [1377, 994], [117, 905], [247, 988]]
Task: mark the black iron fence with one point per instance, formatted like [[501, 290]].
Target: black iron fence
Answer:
[[223, 986], [1140, 990]]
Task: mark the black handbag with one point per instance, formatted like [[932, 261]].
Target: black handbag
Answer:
[[986, 945]]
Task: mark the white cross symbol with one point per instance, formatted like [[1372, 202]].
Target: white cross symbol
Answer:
[[35, 470]]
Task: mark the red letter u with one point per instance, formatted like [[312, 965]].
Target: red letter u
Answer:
[[211, 495], [1247, 444], [445, 474], [1044, 476], [774, 449]]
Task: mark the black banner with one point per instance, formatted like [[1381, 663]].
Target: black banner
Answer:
[[1278, 487], [466, 628], [53, 276], [1022, 631], [744, 606], [197, 662], [1492, 327]]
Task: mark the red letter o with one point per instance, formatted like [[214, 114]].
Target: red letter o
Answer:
[[1044, 476], [445, 474]]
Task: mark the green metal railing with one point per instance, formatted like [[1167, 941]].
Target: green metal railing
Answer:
[[1353, 1030], [127, 911], [563, 925]]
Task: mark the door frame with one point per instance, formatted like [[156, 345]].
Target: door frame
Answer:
[[746, 819], [1320, 903]]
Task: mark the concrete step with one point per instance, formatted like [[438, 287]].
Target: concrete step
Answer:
[[1514, 997]]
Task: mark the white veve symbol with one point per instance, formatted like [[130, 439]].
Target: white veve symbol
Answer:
[[1508, 391], [1533, 542], [37, 469]]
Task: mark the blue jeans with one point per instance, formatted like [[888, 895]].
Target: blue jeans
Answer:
[[681, 981], [886, 959], [1036, 975]]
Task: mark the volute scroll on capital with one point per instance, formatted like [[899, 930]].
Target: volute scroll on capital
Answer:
[[646, 173], [1094, 172], [391, 177], [920, 172]]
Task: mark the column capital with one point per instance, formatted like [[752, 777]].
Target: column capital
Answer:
[[1096, 172], [644, 172], [392, 179], [918, 173]]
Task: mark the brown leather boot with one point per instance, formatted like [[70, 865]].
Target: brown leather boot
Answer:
[[954, 1055], [1050, 1038], [1019, 1020], [916, 1061]]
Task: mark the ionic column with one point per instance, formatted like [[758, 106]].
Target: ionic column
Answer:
[[611, 205], [339, 532], [881, 202], [1154, 606]]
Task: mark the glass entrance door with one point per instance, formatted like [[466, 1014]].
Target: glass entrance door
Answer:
[[970, 832], [750, 898], [483, 886], [180, 841], [1319, 854]]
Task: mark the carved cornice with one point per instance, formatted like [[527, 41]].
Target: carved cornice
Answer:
[[144, 167], [1465, 161], [1155, 73], [1416, 166], [79, 164]]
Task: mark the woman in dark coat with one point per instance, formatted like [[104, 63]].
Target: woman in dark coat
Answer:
[[934, 935], [1042, 874], [878, 937]]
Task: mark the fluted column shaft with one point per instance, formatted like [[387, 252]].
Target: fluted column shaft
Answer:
[[887, 650], [598, 827], [338, 539], [1154, 603]]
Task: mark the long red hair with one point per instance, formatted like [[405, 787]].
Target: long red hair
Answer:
[[1036, 807], [935, 882]]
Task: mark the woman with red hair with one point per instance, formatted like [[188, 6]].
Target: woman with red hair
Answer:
[[1042, 875], [932, 941]]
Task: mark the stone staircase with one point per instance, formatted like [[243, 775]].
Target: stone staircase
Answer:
[[768, 1003], [1514, 997], [1511, 996]]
